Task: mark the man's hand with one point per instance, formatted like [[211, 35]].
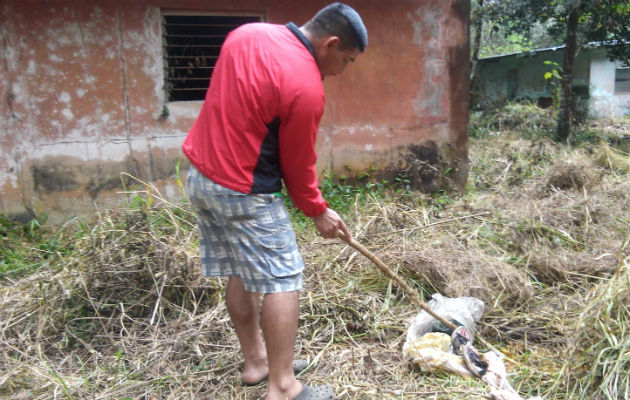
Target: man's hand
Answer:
[[329, 223]]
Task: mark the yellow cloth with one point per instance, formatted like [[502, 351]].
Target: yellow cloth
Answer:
[[431, 352]]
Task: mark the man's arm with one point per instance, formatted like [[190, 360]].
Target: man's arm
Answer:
[[297, 138], [298, 135]]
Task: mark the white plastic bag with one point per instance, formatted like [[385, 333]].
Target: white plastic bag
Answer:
[[464, 311]]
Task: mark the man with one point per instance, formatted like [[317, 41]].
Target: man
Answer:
[[257, 128]]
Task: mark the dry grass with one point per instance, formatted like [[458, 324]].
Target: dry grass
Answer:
[[542, 237]]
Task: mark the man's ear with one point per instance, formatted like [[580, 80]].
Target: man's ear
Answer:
[[331, 41]]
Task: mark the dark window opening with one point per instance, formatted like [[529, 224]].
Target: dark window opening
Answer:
[[191, 47], [622, 80], [512, 83], [544, 102]]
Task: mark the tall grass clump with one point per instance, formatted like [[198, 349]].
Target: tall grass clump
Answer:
[[599, 346], [531, 121]]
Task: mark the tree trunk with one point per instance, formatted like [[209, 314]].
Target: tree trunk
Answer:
[[475, 83], [567, 101]]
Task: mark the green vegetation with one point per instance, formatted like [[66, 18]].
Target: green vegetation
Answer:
[[344, 196], [26, 247]]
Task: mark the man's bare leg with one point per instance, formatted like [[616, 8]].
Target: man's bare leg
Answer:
[[280, 314], [245, 315]]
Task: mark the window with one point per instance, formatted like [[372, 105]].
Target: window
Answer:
[[191, 48], [622, 80]]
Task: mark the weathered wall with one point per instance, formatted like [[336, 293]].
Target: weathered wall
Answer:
[[604, 101], [82, 99]]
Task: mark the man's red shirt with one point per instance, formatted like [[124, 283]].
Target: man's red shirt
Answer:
[[258, 124]]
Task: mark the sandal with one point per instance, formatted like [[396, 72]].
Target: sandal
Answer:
[[321, 392], [299, 366]]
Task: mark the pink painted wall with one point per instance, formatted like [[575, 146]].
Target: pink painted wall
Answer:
[[81, 95]]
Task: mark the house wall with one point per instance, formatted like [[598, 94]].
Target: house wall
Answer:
[[82, 99], [594, 80], [604, 101], [531, 69]]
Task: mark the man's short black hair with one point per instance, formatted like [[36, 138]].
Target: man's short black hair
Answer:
[[340, 20]]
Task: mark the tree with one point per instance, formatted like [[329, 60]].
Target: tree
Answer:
[[499, 37], [577, 23]]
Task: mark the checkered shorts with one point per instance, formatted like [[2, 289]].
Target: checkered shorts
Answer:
[[246, 235]]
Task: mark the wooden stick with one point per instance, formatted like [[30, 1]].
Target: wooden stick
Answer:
[[399, 281]]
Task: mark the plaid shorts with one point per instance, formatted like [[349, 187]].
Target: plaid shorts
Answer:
[[246, 235]]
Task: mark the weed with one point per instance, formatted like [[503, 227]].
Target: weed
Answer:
[[27, 247], [343, 195], [554, 77], [441, 199], [585, 135]]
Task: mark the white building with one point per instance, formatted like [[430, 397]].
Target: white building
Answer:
[[602, 86]]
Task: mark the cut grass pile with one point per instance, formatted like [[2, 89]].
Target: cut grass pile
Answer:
[[117, 309]]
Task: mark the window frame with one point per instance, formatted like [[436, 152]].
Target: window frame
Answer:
[[178, 92], [625, 89]]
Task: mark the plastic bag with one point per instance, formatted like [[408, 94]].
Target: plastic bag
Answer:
[[464, 311]]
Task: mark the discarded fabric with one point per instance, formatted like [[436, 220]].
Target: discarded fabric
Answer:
[[431, 346]]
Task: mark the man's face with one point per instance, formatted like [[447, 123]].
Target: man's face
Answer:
[[332, 61]]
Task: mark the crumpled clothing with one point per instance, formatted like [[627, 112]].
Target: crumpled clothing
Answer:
[[431, 352]]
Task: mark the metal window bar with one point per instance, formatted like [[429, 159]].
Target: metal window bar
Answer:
[[622, 80], [191, 46]]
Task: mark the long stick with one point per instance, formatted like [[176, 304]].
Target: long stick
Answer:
[[401, 283]]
